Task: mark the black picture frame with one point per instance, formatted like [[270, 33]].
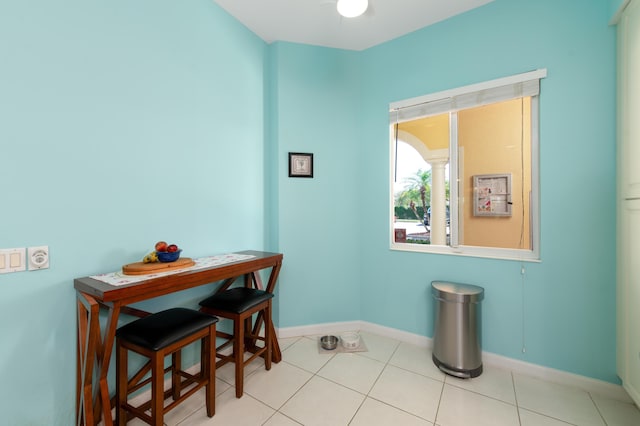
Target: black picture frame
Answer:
[[300, 164]]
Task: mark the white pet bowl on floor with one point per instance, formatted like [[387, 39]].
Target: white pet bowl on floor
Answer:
[[350, 340]]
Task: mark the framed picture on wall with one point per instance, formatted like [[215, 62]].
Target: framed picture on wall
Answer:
[[300, 164]]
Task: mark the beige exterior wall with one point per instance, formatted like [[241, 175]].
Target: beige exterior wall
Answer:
[[496, 139], [432, 131]]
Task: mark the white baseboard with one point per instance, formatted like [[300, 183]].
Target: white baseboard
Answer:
[[341, 327], [588, 384], [316, 329]]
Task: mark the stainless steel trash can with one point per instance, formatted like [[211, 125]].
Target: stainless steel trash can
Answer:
[[457, 335]]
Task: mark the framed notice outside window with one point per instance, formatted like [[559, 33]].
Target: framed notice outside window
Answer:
[[300, 164], [400, 235], [492, 195]]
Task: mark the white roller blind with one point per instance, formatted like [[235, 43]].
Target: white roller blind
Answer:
[[503, 89]]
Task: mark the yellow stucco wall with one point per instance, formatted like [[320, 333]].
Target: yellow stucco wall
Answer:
[[496, 139], [432, 131]]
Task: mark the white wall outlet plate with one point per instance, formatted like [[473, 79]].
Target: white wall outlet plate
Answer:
[[38, 257]]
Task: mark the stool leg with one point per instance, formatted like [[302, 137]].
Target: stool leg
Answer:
[[248, 341], [208, 361], [122, 377], [176, 381], [238, 353], [157, 388], [267, 336]]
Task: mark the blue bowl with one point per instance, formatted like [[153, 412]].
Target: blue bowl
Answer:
[[166, 257]]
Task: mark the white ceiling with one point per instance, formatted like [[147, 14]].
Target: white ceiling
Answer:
[[316, 22]]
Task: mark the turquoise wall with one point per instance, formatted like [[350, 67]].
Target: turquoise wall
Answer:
[[316, 100], [124, 123], [562, 311]]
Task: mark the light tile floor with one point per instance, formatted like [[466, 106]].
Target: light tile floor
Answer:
[[396, 384]]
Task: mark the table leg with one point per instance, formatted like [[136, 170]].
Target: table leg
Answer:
[[87, 349], [257, 280], [276, 353], [107, 349], [92, 399]]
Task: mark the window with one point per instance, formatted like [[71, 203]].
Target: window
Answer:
[[464, 170]]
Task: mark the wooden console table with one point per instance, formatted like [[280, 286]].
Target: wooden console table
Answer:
[[94, 347]]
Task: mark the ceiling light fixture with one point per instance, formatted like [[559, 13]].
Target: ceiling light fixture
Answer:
[[352, 8]]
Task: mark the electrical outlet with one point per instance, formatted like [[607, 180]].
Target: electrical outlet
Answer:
[[38, 257]]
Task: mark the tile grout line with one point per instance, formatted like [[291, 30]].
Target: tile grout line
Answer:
[[597, 409], [435, 420], [453, 384], [515, 395]]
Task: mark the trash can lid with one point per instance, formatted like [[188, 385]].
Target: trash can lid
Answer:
[[455, 292]]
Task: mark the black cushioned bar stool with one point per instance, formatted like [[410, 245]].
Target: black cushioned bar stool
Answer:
[[239, 304], [156, 336]]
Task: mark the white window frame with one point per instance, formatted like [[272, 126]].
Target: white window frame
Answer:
[[446, 101]]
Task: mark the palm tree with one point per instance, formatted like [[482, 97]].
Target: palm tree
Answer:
[[406, 197], [419, 190], [421, 182]]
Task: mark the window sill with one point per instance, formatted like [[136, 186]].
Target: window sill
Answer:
[[468, 251]]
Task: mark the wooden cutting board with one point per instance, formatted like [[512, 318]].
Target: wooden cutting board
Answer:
[[140, 268]]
